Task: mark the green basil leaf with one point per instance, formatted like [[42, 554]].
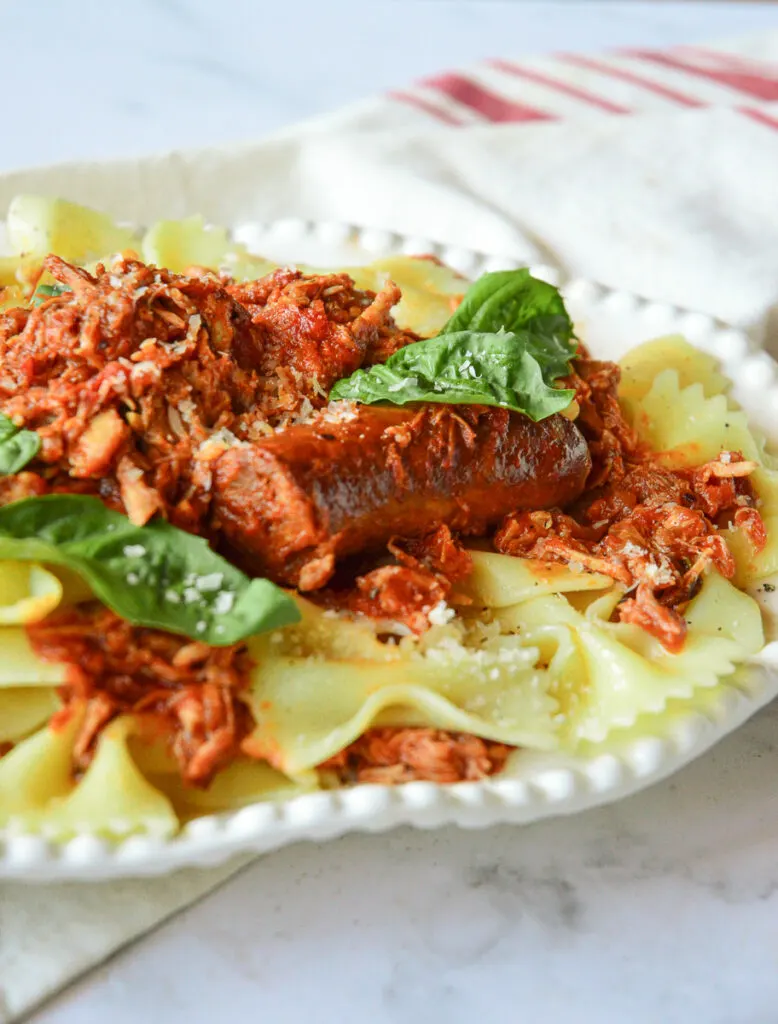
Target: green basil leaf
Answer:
[[548, 340], [47, 291], [154, 575], [503, 369], [506, 344], [512, 300], [17, 446]]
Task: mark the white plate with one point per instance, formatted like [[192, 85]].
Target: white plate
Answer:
[[540, 785]]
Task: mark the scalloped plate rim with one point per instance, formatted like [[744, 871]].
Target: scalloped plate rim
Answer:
[[556, 785]]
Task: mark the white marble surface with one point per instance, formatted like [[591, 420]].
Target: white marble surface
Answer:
[[660, 909]]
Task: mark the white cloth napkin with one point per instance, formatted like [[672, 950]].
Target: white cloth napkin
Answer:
[[654, 172]]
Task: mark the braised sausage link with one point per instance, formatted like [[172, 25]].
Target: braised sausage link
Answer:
[[290, 506]]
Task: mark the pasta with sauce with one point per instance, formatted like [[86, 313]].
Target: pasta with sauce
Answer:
[[264, 531]]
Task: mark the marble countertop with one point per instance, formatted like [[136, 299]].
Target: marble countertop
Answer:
[[658, 910], [662, 908]]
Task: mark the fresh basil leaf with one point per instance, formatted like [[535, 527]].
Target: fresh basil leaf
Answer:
[[17, 446], [503, 369], [547, 340], [47, 291], [154, 575], [512, 300], [506, 344]]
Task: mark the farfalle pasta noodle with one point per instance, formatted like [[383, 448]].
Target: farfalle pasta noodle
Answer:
[[19, 665], [642, 365], [24, 709], [28, 593], [38, 792], [497, 581], [242, 782], [309, 708], [37, 772], [605, 674], [112, 796]]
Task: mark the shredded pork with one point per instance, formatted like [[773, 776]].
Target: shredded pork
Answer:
[[394, 755], [408, 592], [190, 690]]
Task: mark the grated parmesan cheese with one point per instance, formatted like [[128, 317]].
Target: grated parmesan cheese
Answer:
[[221, 438], [340, 412], [212, 582], [318, 389], [224, 602], [305, 412], [144, 366], [440, 614], [175, 421], [187, 409], [630, 548], [658, 574], [413, 381]]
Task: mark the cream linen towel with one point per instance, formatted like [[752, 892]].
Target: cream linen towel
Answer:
[[537, 161]]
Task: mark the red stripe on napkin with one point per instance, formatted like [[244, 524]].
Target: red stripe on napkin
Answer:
[[427, 106], [555, 83], [758, 86], [630, 76], [488, 104], [731, 60], [759, 115]]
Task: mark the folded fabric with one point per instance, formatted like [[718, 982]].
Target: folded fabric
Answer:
[[739, 73]]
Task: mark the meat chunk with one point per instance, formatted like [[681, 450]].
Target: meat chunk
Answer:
[[651, 530], [406, 593], [391, 756], [188, 693], [321, 327], [292, 505], [612, 442], [124, 375]]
